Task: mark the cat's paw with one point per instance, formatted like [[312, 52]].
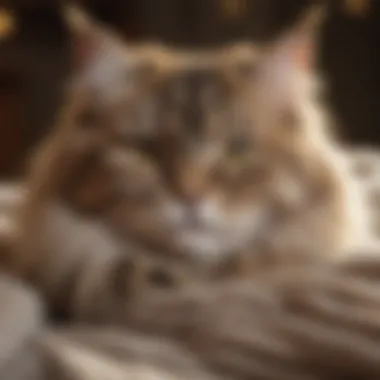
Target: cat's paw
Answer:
[[136, 277]]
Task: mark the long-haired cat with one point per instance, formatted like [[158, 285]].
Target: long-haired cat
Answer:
[[195, 157]]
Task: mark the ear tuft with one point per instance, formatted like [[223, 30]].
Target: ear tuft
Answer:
[[83, 32], [88, 38], [76, 17], [101, 61], [93, 44], [310, 21], [299, 44], [295, 50], [305, 35], [288, 65]]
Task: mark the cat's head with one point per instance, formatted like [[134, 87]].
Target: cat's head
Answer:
[[192, 143]]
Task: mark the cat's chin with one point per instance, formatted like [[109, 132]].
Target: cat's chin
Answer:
[[204, 246], [210, 246], [212, 235], [207, 232]]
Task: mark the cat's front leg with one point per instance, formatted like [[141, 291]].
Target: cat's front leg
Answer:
[[108, 294]]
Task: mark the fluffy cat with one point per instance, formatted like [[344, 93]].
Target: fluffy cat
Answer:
[[205, 160]]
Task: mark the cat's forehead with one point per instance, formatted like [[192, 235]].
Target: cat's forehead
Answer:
[[206, 65], [190, 84], [189, 88], [196, 77]]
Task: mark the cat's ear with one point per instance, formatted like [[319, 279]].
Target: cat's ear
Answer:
[[293, 53], [297, 46], [100, 58], [91, 42]]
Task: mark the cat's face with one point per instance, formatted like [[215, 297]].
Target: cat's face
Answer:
[[191, 144]]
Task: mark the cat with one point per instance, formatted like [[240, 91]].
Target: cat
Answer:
[[206, 161]]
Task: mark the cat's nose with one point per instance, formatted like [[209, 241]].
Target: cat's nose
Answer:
[[190, 194], [192, 199], [191, 187]]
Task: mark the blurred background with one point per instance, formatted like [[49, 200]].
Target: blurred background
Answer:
[[35, 55]]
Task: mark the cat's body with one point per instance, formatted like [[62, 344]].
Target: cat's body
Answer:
[[201, 160]]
